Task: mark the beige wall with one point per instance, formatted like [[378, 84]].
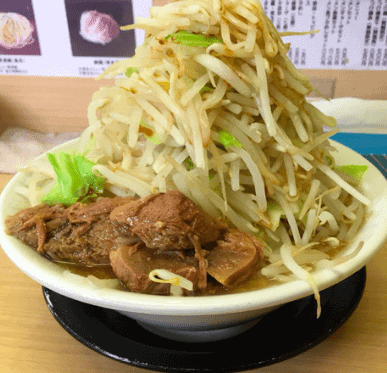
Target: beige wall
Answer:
[[45, 104]]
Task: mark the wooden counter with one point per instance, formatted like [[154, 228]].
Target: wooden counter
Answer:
[[31, 341]]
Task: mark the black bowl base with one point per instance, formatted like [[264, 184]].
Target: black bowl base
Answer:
[[277, 336]]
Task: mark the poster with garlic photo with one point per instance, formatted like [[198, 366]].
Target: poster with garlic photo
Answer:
[[67, 37], [81, 38]]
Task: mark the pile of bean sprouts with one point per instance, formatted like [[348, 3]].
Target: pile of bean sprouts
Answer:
[[159, 128]]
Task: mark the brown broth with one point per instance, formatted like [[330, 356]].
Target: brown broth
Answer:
[[105, 272], [102, 272], [255, 282]]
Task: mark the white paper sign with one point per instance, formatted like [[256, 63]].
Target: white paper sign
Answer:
[[352, 32], [67, 37]]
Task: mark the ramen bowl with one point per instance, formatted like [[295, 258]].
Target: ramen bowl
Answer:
[[202, 318]]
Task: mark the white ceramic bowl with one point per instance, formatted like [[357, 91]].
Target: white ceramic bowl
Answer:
[[208, 317]]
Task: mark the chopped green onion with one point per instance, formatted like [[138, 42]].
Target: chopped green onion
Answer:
[[226, 139], [75, 180], [193, 40]]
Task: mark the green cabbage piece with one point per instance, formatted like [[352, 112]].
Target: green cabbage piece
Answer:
[[206, 89], [189, 163], [276, 213], [193, 40], [76, 181], [352, 173], [330, 161], [155, 137], [226, 139], [130, 70]]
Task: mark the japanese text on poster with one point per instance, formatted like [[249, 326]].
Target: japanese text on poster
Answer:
[[83, 37], [352, 33], [67, 37]]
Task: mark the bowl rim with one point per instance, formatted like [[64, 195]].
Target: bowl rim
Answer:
[[55, 278]]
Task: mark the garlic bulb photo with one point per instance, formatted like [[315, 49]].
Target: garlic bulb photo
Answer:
[[99, 28]]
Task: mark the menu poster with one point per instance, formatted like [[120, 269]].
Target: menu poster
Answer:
[[67, 37], [351, 33], [83, 37]]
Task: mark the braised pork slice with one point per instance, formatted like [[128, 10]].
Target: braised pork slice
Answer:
[[235, 258], [30, 225], [132, 265], [81, 234], [169, 221]]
